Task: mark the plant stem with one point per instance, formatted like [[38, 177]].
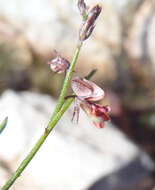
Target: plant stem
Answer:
[[41, 140], [3, 124], [61, 107], [37, 146], [68, 77]]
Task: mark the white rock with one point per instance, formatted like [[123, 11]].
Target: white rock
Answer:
[[72, 158]]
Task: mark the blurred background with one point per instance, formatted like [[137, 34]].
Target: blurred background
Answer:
[[122, 47]]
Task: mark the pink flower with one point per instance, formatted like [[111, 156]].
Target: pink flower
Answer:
[[59, 64], [97, 113], [87, 92]]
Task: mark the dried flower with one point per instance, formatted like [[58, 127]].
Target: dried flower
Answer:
[[86, 93], [89, 23], [59, 64], [86, 90]]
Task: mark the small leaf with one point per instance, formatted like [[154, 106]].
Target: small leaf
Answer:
[[3, 124]]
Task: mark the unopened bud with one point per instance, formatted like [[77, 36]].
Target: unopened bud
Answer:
[[83, 9], [89, 23], [59, 64]]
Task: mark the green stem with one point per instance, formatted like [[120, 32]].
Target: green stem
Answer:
[[37, 146], [3, 124], [61, 107], [41, 140], [68, 77]]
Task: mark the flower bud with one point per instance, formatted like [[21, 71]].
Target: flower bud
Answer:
[[89, 23], [83, 9], [59, 64]]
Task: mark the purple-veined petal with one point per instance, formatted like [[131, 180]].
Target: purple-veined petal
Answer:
[[97, 113], [86, 89]]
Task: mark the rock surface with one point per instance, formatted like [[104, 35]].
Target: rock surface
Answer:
[[73, 157]]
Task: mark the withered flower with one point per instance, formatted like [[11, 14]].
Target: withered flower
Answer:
[[59, 64], [89, 23], [86, 93]]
